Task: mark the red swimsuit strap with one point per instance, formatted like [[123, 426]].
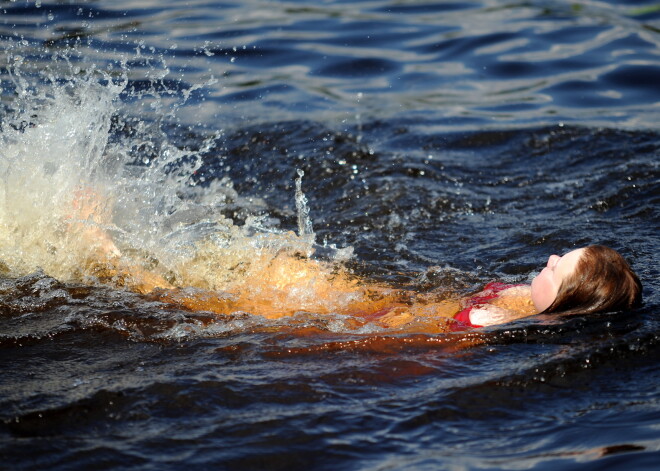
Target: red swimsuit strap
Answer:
[[491, 291], [463, 319]]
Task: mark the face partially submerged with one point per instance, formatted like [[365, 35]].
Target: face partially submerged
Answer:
[[545, 285]]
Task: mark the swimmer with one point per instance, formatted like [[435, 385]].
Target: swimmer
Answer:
[[584, 281]]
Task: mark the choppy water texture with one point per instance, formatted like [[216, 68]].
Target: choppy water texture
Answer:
[[443, 145]]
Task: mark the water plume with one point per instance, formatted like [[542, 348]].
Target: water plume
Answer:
[[89, 193], [304, 222], [52, 143]]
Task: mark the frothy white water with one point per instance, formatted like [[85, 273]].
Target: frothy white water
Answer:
[[51, 144], [69, 185]]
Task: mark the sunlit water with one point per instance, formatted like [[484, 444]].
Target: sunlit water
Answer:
[[429, 147]]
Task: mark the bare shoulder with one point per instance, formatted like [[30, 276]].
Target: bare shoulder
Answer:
[[517, 300], [518, 290], [488, 314]]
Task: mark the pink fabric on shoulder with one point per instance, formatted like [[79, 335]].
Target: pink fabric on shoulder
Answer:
[[491, 291], [463, 318]]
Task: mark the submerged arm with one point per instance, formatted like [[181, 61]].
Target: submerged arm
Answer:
[[90, 212]]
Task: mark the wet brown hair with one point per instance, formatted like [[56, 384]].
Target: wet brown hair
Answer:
[[602, 281]]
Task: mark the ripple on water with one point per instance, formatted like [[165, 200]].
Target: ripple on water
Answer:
[[474, 64], [449, 143]]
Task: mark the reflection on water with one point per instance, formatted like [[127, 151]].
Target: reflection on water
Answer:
[[466, 64], [441, 146]]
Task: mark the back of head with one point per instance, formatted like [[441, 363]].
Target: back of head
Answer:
[[602, 281]]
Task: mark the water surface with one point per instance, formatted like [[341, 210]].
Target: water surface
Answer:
[[443, 145]]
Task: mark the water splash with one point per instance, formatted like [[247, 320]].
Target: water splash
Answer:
[[305, 229], [52, 142], [82, 178]]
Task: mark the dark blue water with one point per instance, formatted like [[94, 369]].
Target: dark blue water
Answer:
[[448, 143]]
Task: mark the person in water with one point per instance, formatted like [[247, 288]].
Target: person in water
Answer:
[[583, 281]]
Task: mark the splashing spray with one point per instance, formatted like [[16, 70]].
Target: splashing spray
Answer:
[[305, 229], [69, 138]]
